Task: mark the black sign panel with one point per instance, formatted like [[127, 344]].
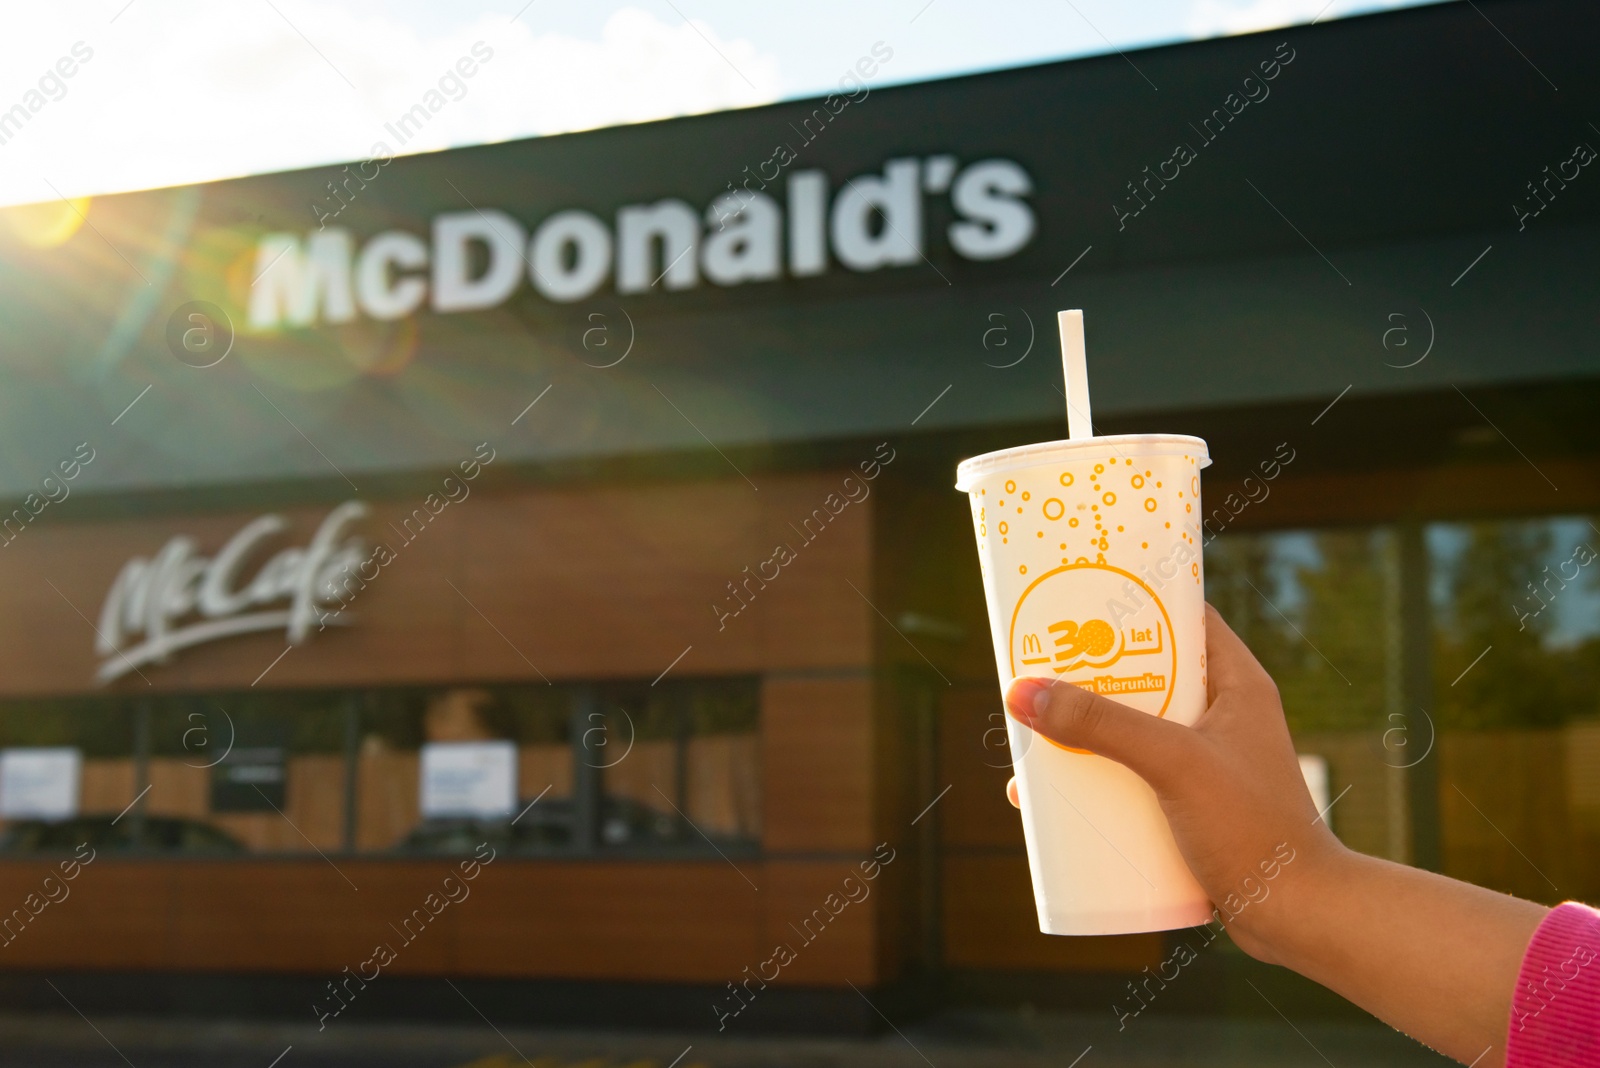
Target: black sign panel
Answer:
[[251, 778], [1237, 217]]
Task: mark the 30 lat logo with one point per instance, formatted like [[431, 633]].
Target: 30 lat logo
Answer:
[[1100, 628]]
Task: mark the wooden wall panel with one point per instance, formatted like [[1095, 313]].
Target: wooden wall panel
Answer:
[[808, 908], [816, 735], [282, 916], [974, 758], [630, 577], [606, 582], [46, 646], [811, 616], [681, 921], [991, 924], [116, 915]]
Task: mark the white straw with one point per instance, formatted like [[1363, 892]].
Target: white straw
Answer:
[[1075, 368]]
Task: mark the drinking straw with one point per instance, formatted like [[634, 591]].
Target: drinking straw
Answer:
[[1076, 371]]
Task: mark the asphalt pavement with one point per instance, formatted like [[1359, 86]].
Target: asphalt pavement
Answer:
[[958, 1039]]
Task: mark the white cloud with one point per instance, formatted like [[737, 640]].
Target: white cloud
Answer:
[[1219, 18], [186, 91]]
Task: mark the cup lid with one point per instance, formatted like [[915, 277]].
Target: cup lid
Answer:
[[968, 472]]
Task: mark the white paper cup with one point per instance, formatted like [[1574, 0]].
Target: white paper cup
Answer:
[[1091, 560]]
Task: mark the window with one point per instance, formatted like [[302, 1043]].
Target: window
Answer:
[[1506, 752], [1517, 631], [245, 772], [678, 765], [535, 769], [421, 790], [99, 735]]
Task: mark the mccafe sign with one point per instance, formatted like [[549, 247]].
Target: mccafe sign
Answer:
[[179, 598]]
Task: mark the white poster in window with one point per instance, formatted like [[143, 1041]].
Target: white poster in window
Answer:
[[40, 784], [469, 779]]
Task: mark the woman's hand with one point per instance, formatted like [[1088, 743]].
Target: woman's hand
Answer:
[[1434, 957], [1230, 785]]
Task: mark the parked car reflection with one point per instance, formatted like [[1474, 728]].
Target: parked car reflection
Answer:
[[157, 834], [550, 824]]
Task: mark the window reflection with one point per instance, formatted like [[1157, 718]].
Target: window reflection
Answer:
[[692, 773], [1517, 605], [102, 738], [443, 747], [1513, 728], [264, 771], [533, 769]]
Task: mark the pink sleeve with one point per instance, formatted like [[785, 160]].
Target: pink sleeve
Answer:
[[1555, 1011]]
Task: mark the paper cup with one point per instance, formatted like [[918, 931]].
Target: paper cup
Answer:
[[1090, 552]]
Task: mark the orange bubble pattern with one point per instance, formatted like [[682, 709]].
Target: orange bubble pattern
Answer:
[[1101, 490]]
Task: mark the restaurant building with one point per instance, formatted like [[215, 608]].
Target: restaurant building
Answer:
[[577, 513]]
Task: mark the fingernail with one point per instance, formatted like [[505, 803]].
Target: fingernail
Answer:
[[1028, 698]]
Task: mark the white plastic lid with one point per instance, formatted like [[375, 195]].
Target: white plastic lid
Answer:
[[968, 472]]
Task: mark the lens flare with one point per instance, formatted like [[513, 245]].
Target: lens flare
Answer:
[[47, 225]]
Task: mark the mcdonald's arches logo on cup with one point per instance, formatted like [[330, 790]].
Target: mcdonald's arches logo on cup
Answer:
[[1119, 643]]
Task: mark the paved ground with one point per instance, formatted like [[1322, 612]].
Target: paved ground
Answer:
[[967, 1039]]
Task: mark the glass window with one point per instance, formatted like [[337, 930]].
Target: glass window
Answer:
[[100, 734], [1517, 633], [550, 769], [1512, 734], [534, 769], [679, 764], [1319, 610], [470, 796], [1311, 605], [259, 772]]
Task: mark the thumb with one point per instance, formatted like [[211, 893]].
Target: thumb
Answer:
[[1155, 749]]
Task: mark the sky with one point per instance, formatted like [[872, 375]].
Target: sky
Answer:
[[171, 92]]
